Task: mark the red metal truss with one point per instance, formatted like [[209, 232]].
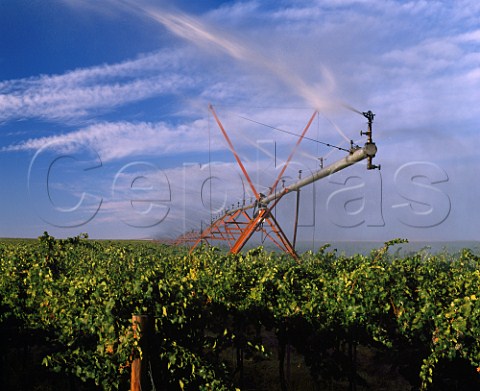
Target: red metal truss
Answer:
[[242, 167], [305, 130], [237, 227]]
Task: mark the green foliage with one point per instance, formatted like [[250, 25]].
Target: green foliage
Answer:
[[78, 296]]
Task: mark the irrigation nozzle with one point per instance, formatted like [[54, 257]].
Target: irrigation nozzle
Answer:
[[370, 146]]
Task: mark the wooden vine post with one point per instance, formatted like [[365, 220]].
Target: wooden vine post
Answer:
[[140, 326]]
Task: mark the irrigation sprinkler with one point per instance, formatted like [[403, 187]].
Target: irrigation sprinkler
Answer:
[[237, 225]]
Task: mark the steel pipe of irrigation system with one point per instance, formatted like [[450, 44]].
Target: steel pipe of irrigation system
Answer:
[[368, 151], [356, 155]]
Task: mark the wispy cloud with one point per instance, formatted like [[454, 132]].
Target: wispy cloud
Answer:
[[405, 78], [117, 140], [81, 92]]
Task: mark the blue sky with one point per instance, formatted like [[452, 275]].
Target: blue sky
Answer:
[[105, 127]]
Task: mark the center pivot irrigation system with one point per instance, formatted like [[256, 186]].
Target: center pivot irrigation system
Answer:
[[236, 226]]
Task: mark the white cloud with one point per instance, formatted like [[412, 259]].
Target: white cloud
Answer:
[[81, 92], [472, 36], [119, 140]]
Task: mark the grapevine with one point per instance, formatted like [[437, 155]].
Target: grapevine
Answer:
[[75, 297]]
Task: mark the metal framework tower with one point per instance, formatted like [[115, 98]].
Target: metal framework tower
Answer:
[[235, 227]]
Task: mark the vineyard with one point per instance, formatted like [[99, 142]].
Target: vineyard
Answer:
[[67, 306]]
